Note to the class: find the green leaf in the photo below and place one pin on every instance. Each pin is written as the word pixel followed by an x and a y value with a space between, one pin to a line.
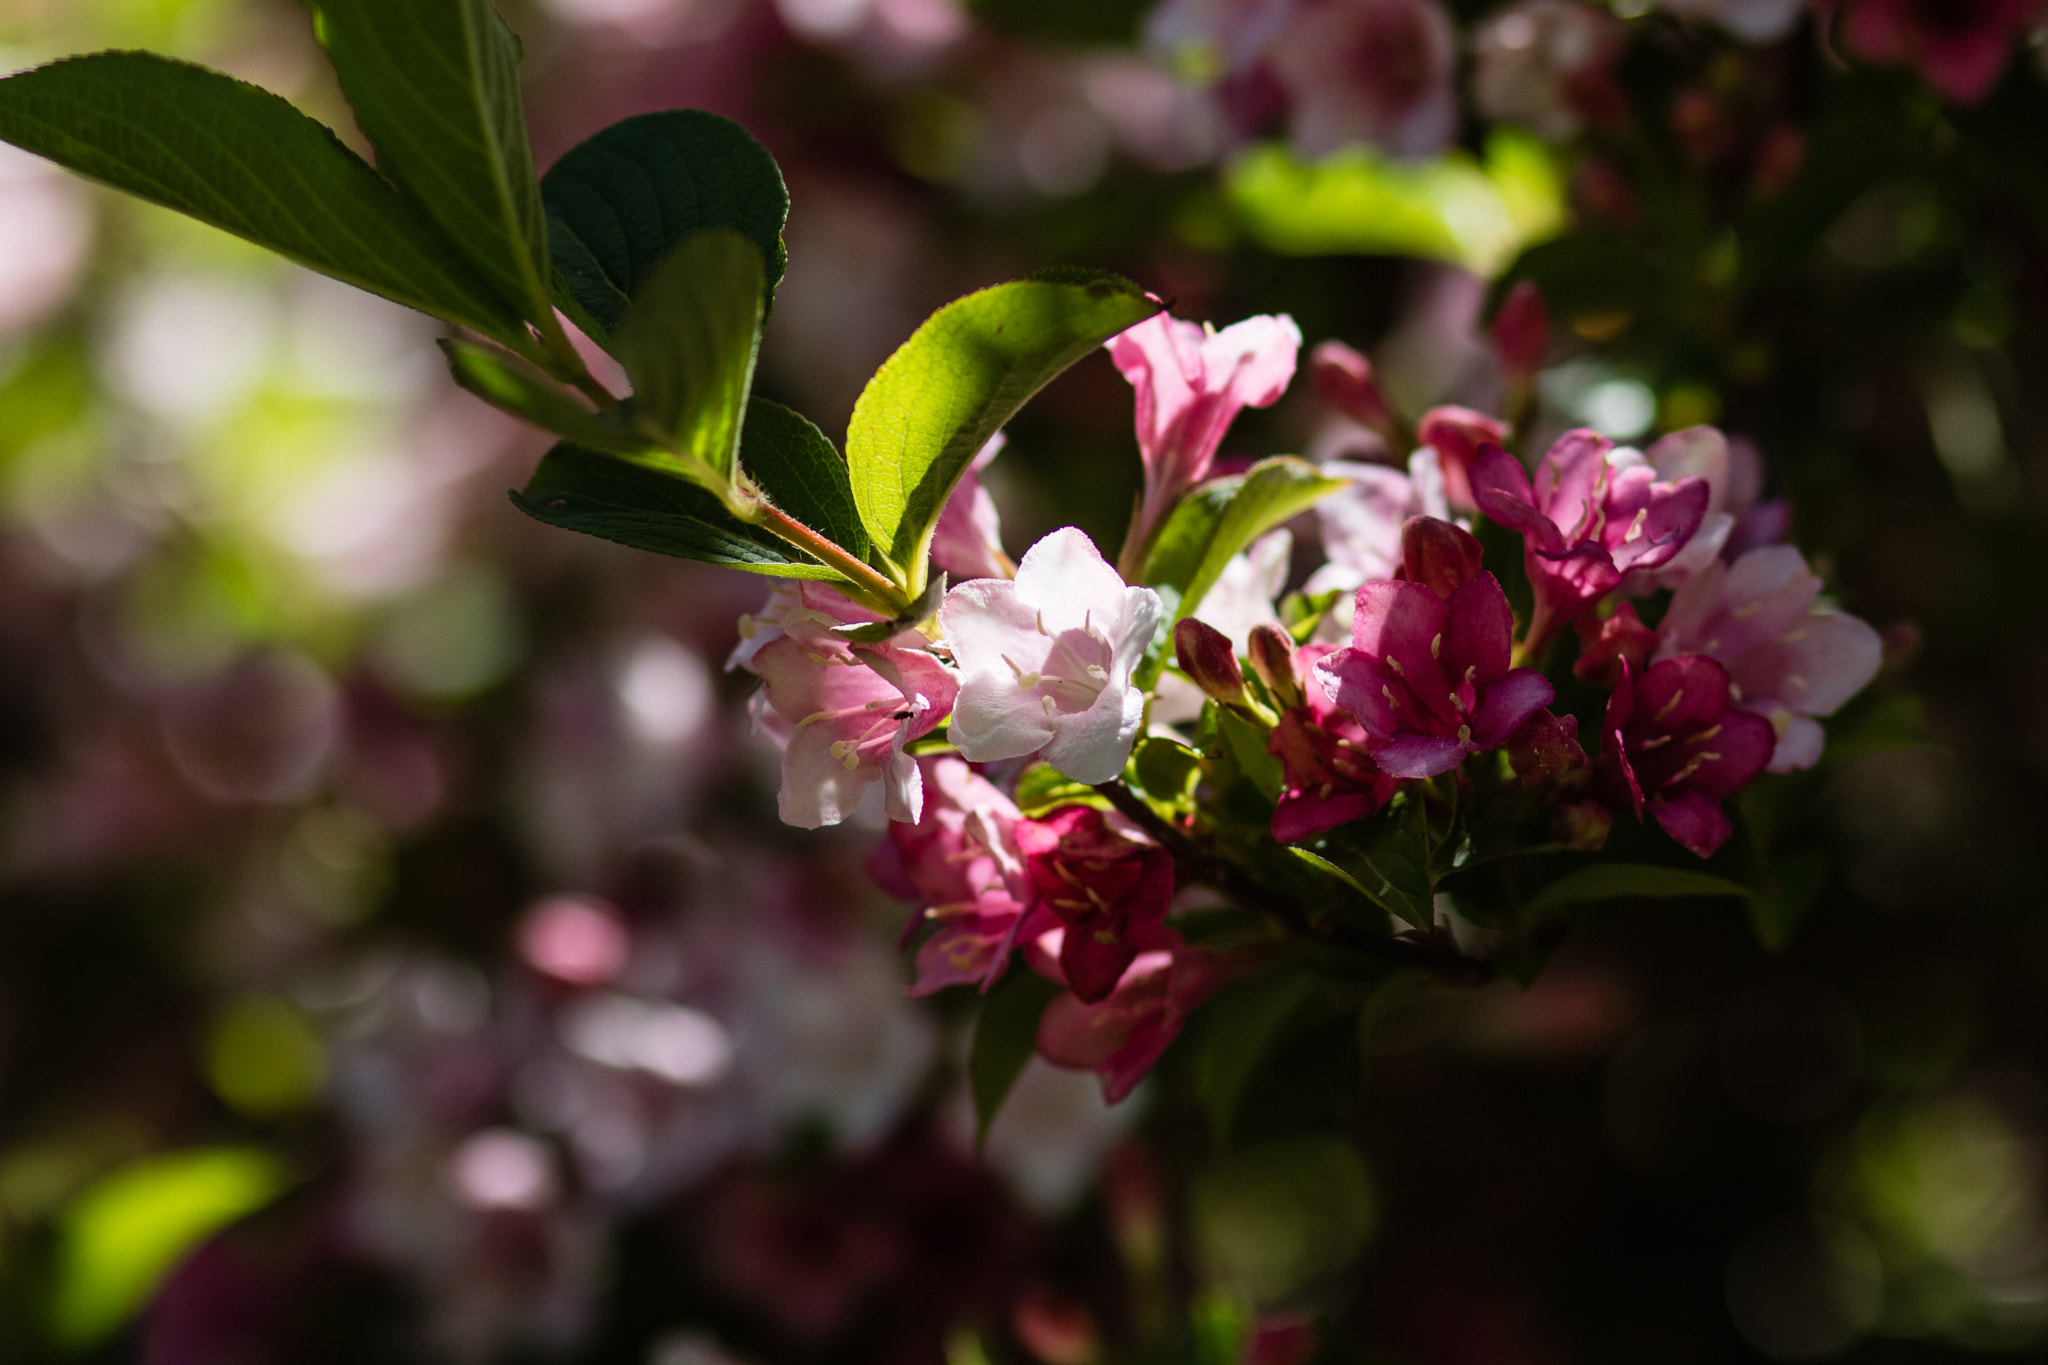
pixel 653 509
pixel 797 466
pixel 1390 855
pixel 435 87
pixel 125 1233
pixel 1327 868
pixel 1177 550
pixel 1044 788
pixel 1166 770
pixel 1796 882
pixel 1240 1027
pixel 1273 491
pixel 1611 881
pixel 964 373
pixel 689 343
pixel 1248 747
pixel 242 160
pixel 1005 1036
pixel 511 385
pixel 620 201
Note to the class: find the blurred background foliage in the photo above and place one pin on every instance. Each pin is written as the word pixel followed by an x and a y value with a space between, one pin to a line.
pixel 399 958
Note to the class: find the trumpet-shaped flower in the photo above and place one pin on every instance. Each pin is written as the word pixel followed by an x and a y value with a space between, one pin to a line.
pixel 851 709
pixel 1046 660
pixel 1735 519
pixel 1109 890
pixel 1789 657
pixel 1427 672
pixel 1191 381
pixel 1373 71
pixel 1674 744
pixel 1326 756
pixel 1589 518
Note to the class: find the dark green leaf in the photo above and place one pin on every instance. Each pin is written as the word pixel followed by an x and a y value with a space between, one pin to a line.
pixel 435 87
pixel 1611 881
pixel 1005 1036
pixel 1390 857
pixel 689 343
pixel 964 373
pixel 620 201
pixel 1796 881
pixel 1248 747
pixel 796 465
pixel 1240 1027
pixel 1273 491
pixel 243 160
pixel 651 509
pixel 510 384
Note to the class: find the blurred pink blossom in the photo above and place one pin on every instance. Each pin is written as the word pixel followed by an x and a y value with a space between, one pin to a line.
pixel 1544 64
pixel 1960 46
pixel 968 541
pixel 1372 71
pixel 1120 1036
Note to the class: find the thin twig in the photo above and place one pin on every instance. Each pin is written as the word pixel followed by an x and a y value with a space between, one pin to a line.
pixel 1208 866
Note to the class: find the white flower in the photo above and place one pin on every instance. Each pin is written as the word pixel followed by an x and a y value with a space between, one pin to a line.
pixel 1046 660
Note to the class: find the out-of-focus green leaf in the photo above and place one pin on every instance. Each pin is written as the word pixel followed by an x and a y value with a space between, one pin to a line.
pixel 959 378
pixel 435 87
pixel 1268 1220
pixel 620 201
pixel 796 465
pixel 263 1058
pixel 1240 1027
pixel 125 1233
pixel 1273 490
pixel 689 343
pixel 1005 1036
pixel 1796 880
pixel 1480 215
pixel 1613 881
pixel 651 509
pixel 242 160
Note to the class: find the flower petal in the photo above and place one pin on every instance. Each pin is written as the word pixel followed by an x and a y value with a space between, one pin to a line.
pixel 1509 702
pixel 1413 755
pixel 1694 819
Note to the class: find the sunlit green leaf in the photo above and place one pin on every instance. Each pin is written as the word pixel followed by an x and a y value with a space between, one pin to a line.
pixel 125 1233
pixel 1044 788
pixel 1273 491
pixel 243 160
pixel 1177 549
pixel 263 1058
pixel 964 373
pixel 1451 208
pixel 689 343
pixel 619 202
pixel 1005 1036
pixel 435 87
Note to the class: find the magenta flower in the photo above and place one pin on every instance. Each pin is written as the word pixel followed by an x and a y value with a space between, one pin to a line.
pixel 1427 672
pixel 1047 660
pixel 1191 383
pixel 1371 71
pixel 1789 658
pixel 1673 742
pixel 853 708
pixel 1588 519
pixel 960 862
pixel 1736 519
pixel 1331 778
pixel 1457 435
pixel 1960 46
pixel 1121 1035
pixel 1110 892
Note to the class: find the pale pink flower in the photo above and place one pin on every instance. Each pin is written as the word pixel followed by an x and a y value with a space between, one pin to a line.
pixel 1735 520
pixel 1226 37
pixel 1191 381
pixel 1247 588
pixel 1789 657
pixel 1361 525
pixel 1046 660
pixel 1372 71
pixel 968 541
pixel 852 708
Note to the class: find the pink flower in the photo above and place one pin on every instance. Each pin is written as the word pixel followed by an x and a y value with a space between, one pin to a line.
pixel 1671 741
pixel 760 629
pixel 1735 520
pixel 1327 757
pixel 1427 674
pixel 968 541
pixel 960 860
pixel 1457 435
pixel 1110 892
pixel 853 708
pixel 1227 36
pixel 1960 46
pixel 1047 659
pixel 1789 658
pixel 1120 1036
pixel 1372 71
pixel 1606 646
pixel 1191 383
pixel 1361 525
pixel 1543 64
pixel 1589 518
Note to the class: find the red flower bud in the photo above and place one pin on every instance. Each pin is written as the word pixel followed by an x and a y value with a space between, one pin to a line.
pixel 1521 333
pixel 1604 646
pixel 1343 379
pixel 1272 651
pixel 1206 657
pixel 1545 747
pixel 1439 555
pixel 1456 435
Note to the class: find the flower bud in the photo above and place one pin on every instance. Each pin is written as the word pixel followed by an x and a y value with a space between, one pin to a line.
pixel 1206 657
pixel 1606 645
pixel 1545 747
pixel 1582 825
pixel 1521 333
pixel 1272 651
pixel 1456 435
pixel 1439 556
pixel 1343 379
